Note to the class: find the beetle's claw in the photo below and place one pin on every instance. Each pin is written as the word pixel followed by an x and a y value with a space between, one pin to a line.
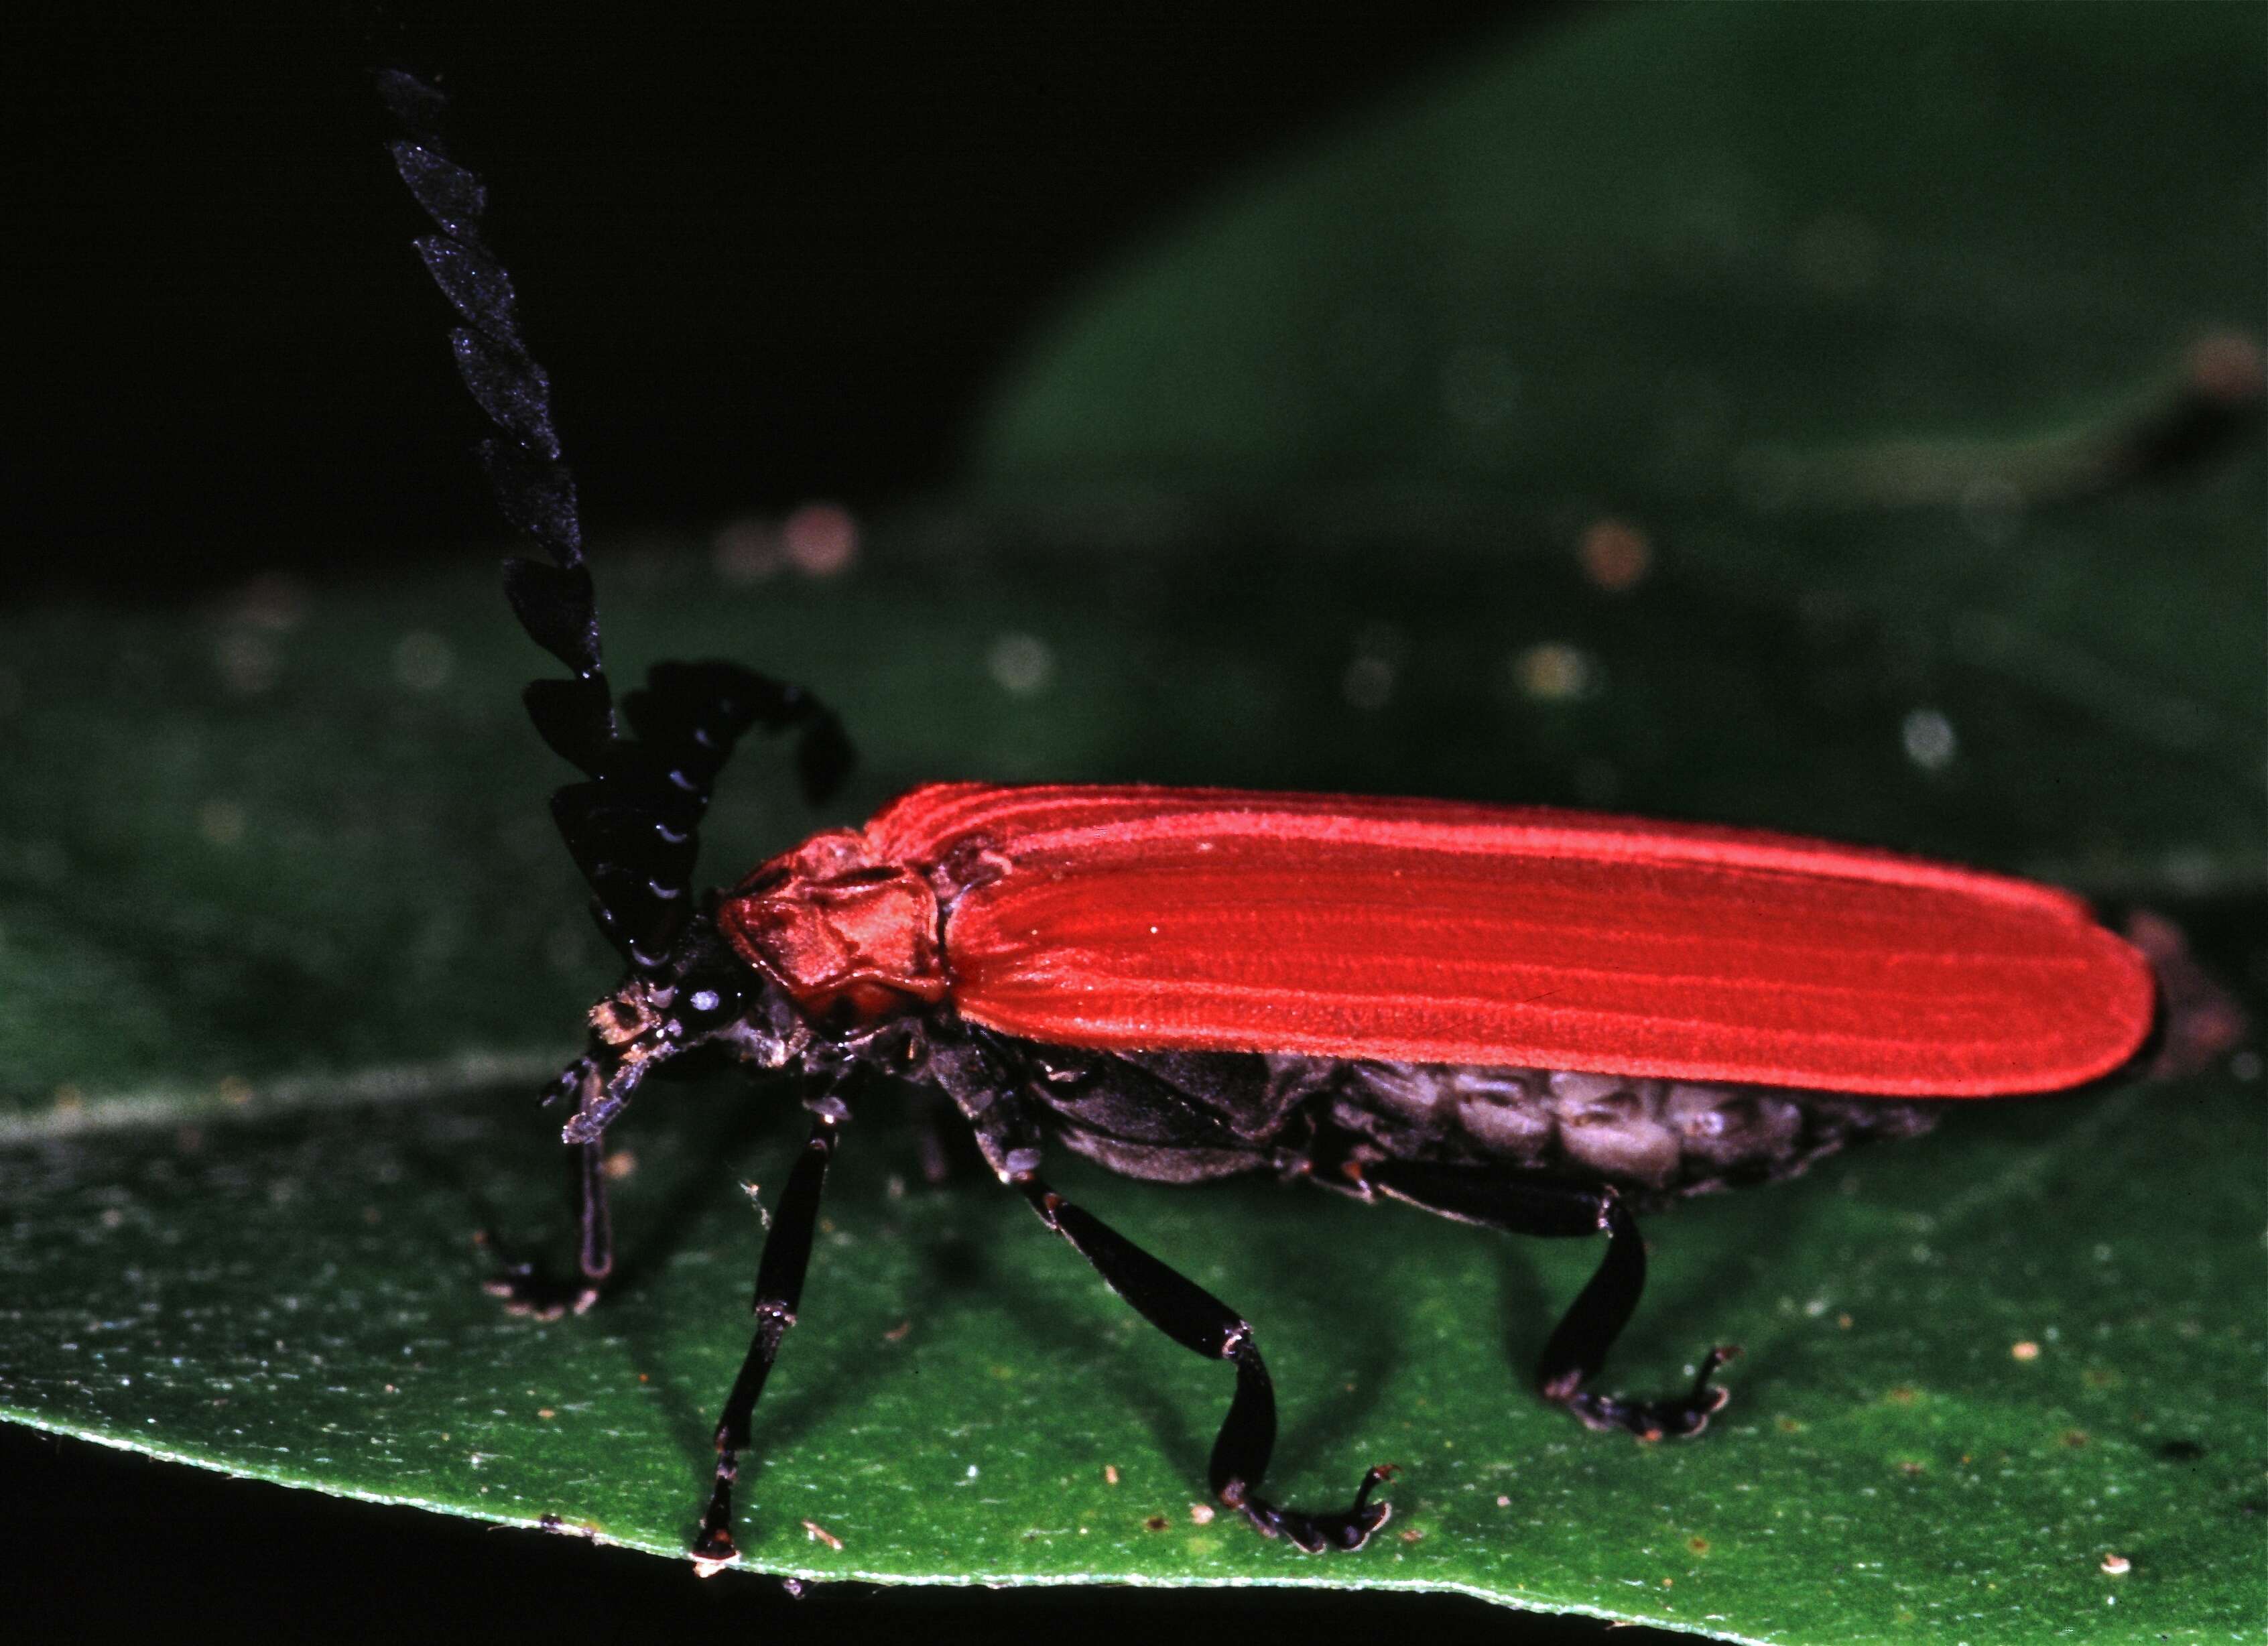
pixel 1654 1420
pixel 1312 1534
pixel 712 1552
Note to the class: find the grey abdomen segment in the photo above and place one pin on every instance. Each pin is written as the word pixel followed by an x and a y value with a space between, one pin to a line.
pixel 1185 1117
pixel 1653 1138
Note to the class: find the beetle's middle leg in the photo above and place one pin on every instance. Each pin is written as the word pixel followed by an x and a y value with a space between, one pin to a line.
pixel 1203 1324
pixel 1579 1344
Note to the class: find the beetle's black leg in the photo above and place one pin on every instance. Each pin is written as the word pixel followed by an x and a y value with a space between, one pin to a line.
pixel 526 1291
pixel 1579 1344
pixel 779 1288
pixel 595 1246
pixel 523 1288
pixel 1201 1322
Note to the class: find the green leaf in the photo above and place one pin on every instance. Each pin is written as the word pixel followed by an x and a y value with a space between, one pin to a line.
pixel 296 1299
pixel 285 942
pixel 258 1254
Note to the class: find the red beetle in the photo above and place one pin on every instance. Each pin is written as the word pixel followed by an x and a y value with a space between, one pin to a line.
pixel 1531 1019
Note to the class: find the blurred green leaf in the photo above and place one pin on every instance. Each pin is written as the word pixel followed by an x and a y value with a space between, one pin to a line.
pixel 285 940
pixel 1619 259
pixel 1863 307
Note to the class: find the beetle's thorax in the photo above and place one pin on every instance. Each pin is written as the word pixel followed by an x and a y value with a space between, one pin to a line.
pixel 844 934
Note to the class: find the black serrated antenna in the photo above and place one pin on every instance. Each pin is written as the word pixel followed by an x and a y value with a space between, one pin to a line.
pixel 633 828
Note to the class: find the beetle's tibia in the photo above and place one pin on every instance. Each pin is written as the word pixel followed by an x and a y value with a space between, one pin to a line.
pixel 1204 1325
pixel 1540 1205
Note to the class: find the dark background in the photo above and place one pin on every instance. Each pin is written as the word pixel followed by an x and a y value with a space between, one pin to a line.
pixel 764 262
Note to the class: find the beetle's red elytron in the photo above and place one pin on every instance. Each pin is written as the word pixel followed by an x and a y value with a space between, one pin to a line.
pixel 1422 931
pixel 1530 1019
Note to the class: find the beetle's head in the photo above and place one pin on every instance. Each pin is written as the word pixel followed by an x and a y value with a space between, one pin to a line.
pixel 702 1003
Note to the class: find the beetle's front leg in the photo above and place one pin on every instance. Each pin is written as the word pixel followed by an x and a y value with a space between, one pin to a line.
pixel 1202 1323
pixel 523 1288
pixel 1579 1344
pixel 779 1289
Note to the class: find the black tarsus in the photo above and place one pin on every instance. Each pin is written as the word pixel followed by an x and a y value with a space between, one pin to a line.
pixel 779 1290
pixel 633 827
pixel 1577 1349
pixel 1204 1325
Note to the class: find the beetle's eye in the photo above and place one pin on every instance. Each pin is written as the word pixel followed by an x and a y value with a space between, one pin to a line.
pixel 703 1005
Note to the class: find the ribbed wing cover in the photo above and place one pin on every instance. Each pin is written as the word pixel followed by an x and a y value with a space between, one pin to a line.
pixel 1425 931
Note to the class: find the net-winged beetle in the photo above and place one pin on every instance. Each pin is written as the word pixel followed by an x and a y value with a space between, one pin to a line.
pixel 1536 1020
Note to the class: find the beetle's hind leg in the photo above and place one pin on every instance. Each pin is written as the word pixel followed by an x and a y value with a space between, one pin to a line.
pixel 1203 1324
pixel 1579 1344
